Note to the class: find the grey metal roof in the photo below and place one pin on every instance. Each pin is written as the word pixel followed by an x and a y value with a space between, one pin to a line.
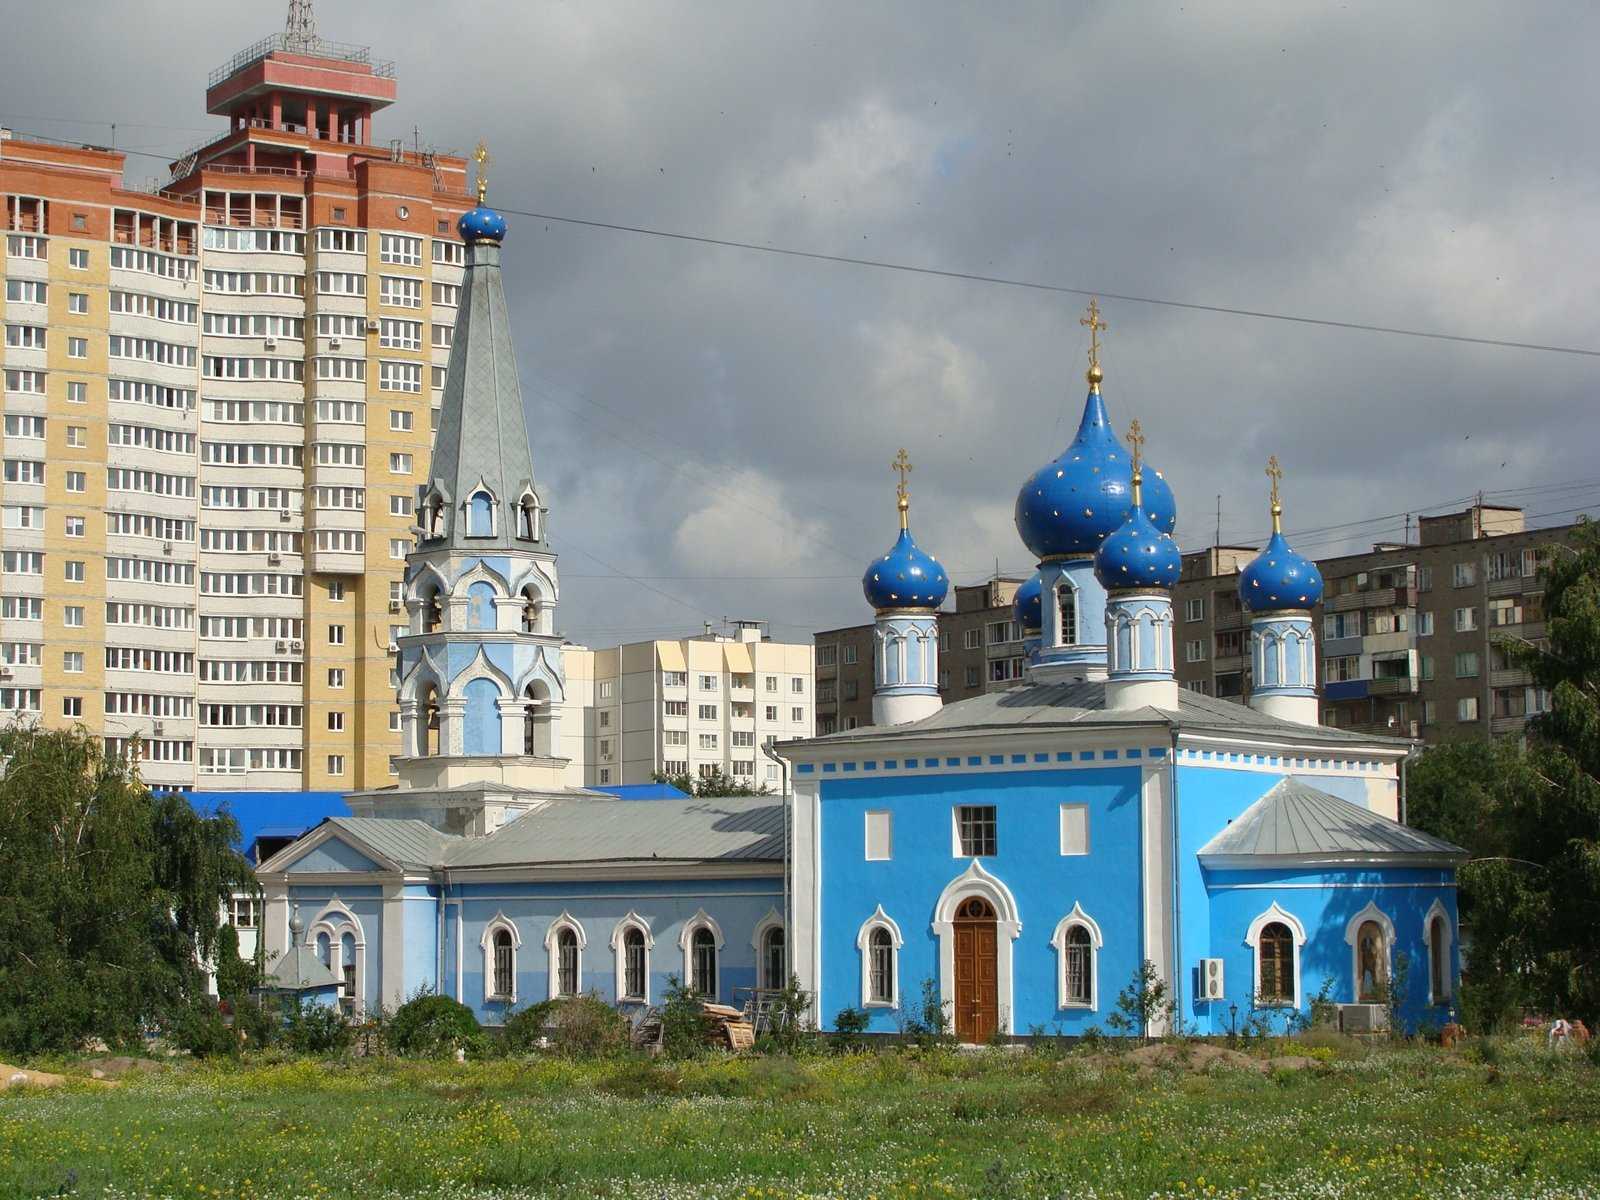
pixel 723 829
pixel 483 431
pixel 1083 705
pixel 1296 819
pixel 300 970
pixel 412 844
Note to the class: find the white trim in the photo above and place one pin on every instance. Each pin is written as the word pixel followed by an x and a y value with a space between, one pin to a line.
pixel 1252 938
pixel 866 835
pixel 1437 910
pixel 618 951
pixel 496 923
pixel 700 920
pixel 1313 887
pixel 552 952
pixel 1061 830
pixel 336 907
pixel 880 920
pixel 975 881
pixel 772 920
pixel 1370 913
pixel 1078 919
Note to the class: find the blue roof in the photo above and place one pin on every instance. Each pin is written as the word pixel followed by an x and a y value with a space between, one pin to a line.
pixel 643 791
pixel 1138 555
pixel 271 814
pixel 906 577
pixel 1279 579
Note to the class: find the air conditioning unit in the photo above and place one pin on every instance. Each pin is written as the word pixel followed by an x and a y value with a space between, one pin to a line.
pixel 274 559
pixel 394 606
pixel 281 647
pixel 333 343
pixel 5 672
pixel 166 547
pixel 1362 1018
pixel 1211 987
pixel 296 647
pixel 271 343
pixel 284 514
pixel 1361 580
pixel 372 325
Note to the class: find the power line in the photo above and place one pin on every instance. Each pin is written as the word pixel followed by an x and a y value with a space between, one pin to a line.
pixel 1065 289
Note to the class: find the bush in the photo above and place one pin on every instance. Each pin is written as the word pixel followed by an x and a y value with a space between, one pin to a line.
pixel 201 1030
pixel 256 1023
pixel 316 1029
pixel 849 1024
pixel 791 1018
pixel 429 1026
pixel 585 1027
pixel 524 1029
pixel 683 1022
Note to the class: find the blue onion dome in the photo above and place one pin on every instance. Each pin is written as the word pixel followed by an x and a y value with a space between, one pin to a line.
pixel 906 577
pixel 1138 555
pixel 1074 502
pixel 1027 606
pixel 1278 578
pixel 482 224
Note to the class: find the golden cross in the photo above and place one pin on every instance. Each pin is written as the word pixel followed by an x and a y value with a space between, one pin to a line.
pixel 1136 440
pixel 1275 473
pixel 1096 325
pixel 902 464
pixel 481 157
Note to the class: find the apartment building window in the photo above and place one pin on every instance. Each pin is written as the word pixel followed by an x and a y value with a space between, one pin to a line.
pixel 1342 669
pixel 1504 612
pixel 1002 669
pixel 74 570
pixel 399 376
pixel 944 642
pixel 850 656
pixel 851 723
pixel 674 766
pixel 1000 632
pixel 676 708
pixel 78 258
pixel 1464 574
pixel 944 678
pixel 971 677
pixel 399 506
pixel 827 656
pixel 771 712
pixel 336 677
pixel 707 683
pixel 1467 664
pixel 971 639
pixel 78 303
pixel 740 739
pixel 1466 619
pixel 336 635
pixel 771 683
pixel 399 249
pixel 77 435
pixel 797 715
pixel 976 834
pixel 1425 666
pixel 1467 708
pixel 77 392
pixel 77 347
pixel 674 737
pixel 672 679
pixel 399 292
pixel 399 421
pixel 706 712
pixel 72 616
pixel 396 333
pixel 744 768
pixel 1430 712
pixel 1395 621
pixel 72 706
pixel 605 718
pixel 335 764
pixel 851 689
pixel 1194 609
pixel 75 527
pixel 336 722
pixel 708 741
pixel 605 747
pixel 605 688
pixel 1424 624
pixel 797 685
pixel 72 662
pixel 1341 625
pixel 1194 650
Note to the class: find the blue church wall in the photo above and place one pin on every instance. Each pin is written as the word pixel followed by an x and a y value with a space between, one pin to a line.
pixel 480 606
pixel 1325 902
pixel 420 940
pixel 333 855
pixel 481 730
pixel 1045 883
pixel 366 902
pixel 736 905
pixel 461 655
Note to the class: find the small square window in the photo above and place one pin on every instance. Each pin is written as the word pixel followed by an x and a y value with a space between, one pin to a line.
pixel 74 570
pixel 72 706
pixel 78 257
pixel 72 616
pixel 75 527
pixel 338 213
pixel 77 302
pixel 336 722
pixel 80 221
pixel 76 482
pixel 335 764
pixel 336 677
pixel 77 347
pixel 336 635
pixel 336 589
pixel 77 392
pixel 72 662
pixel 976 834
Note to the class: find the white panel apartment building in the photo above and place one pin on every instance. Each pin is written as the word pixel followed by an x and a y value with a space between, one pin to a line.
pixel 686 707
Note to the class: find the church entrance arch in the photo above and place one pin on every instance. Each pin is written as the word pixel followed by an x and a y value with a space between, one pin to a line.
pixel 977 1015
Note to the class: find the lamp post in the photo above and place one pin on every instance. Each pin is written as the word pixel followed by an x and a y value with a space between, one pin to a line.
pixel 1233 1023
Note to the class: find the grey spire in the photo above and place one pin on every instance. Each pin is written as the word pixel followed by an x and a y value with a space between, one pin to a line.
pixel 480 493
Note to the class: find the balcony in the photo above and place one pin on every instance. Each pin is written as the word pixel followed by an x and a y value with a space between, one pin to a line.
pixel 1228 663
pixel 1510 677
pixel 1516 585
pixel 1499 725
pixel 1230 620
pixel 1400 597
pixel 1394 685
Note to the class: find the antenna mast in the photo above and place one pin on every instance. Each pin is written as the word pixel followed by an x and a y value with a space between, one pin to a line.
pixel 300 30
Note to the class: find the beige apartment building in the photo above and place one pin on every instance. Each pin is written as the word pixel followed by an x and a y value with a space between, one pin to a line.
pixel 1406 633
pixel 691 706
pixel 980 649
pixel 218 402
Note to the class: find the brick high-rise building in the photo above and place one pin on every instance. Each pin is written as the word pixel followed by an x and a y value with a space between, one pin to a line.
pixel 218 401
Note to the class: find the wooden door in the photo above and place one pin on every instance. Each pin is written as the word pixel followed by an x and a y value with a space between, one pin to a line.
pixel 977 1014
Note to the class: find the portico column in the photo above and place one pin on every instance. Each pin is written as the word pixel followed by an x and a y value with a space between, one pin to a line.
pixel 452 722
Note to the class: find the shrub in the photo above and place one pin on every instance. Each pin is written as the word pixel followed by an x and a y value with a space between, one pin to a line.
pixel 849 1024
pixel 256 1022
pixel 200 1029
pixel 930 1024
pixel 316 1029
pixel 1138 1004
pixel 683 1022
pixel 637 1078
pixel 429 1026
pixel 585 1027
pixel 791 1017
pixel 524 1029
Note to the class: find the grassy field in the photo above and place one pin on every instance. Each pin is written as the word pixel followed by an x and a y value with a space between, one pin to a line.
pixel 1412 1122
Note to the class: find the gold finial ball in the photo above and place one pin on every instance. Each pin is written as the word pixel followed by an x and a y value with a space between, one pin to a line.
pixel 1094 374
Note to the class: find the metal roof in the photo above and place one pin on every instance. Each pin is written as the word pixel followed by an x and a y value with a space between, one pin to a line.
pixel 300 970
pixel 1083 706
pixel 410 843
pixel 1295 819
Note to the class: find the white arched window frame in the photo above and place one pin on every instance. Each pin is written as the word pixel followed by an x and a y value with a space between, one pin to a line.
pixel 1352 933
pixel 619 949
pixel 528 516
pixel 1437 912
pixel 1066 613
pixel 334 922
pixel 1161 623
pixel 497 924
pixel 975 881
pixel 701 920
pixel 1077 919
pixel 552 949
pixel 1252 938
pixel 758 943
pixel 480 502
pixel 879 920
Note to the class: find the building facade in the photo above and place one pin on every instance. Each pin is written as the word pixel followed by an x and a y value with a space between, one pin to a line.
pixel 693 706
pixel 218 403
pixel 1408 632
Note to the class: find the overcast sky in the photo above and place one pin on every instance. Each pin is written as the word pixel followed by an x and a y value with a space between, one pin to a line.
pixel 718 423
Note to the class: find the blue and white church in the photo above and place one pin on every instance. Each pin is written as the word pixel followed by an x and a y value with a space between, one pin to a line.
pixel 1025 852
pixel 484 875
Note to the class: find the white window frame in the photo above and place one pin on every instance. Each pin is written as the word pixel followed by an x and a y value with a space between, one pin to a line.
pixel 700 920
pixel 1078 919
pixel 866 835
pixel 1252 938
pixel 1084 808
pixel 880 920
pixel 619 953
pixel 1370 913
pixel 553 953
pixel 758 937
pixel 325 922
pixel 1437 911
pixel 496 923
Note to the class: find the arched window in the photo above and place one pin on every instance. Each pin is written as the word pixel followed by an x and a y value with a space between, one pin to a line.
pixel 1067 612
pixel 481 734
pixel 432 611
pixel 325 950
pixel 530 610
pixel 567 963
pixel 1438 960
pixel 1079 966
pixel 347 971
pixel 774 972
pixel 633 964
pixel 428 722
pixel 505 964
pixel 1372 963
pixel 1077 941
pixel 703 968
pixel 528 517
pixel 1275 965
pixel 480 606
pixel 480 514
pixel 880 966
pixel 537 715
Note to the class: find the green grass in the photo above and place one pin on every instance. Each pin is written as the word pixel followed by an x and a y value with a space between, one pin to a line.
pixel 1415 1122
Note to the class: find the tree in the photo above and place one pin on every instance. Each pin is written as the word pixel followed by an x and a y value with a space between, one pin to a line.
pixel 714 784
pixel 1529 811
pixel 111 898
